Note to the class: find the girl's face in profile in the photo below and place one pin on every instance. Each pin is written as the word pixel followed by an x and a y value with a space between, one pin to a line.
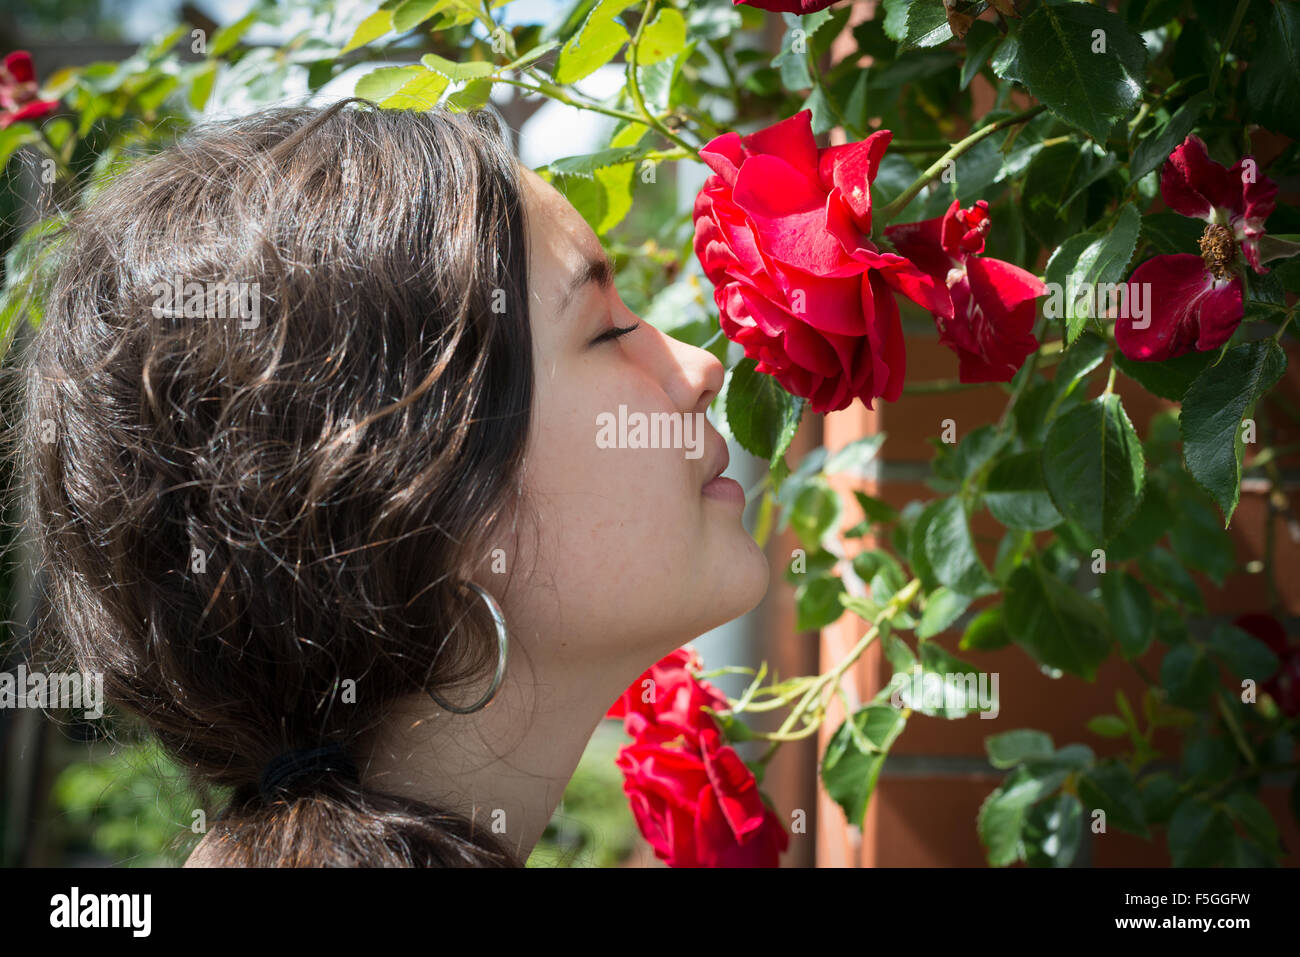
pixel 638 552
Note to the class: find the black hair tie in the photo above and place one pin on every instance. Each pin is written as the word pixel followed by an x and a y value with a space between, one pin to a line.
pixel 282 770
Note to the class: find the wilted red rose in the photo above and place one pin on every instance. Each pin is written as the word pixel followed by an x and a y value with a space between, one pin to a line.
pixel 1284 685
pixel 782 229
pixel 694 799
pixel 1196 300
pixel 18 91
pixel 991 328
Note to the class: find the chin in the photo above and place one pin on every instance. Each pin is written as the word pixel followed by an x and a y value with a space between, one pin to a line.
pixel 747 578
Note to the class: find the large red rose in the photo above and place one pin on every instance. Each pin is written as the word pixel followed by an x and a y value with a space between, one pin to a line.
pixel 694 799
pixel 991 329
pixel 782 230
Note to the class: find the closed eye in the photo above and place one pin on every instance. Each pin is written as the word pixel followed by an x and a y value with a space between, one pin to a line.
pixel 615 333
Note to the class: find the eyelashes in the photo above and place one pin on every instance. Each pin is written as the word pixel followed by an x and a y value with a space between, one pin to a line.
pixel 615 333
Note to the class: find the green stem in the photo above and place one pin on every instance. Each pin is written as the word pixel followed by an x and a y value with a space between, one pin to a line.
pixel 634 85
pixel 1277 336
pixel 1227 43
pixel 897 603
pixel 555 93
pixel 882 216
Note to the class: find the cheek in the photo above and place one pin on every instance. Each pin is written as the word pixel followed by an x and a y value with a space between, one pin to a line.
pixel 621 519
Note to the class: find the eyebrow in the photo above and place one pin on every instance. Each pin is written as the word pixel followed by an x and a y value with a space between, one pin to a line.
pixel 599 270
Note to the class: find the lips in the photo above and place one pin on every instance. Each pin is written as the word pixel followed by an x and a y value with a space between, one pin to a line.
pixel 719 461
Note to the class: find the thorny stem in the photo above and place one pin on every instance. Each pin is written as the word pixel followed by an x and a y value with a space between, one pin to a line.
pixel 882 216
pixel 832 678
pixel 634 85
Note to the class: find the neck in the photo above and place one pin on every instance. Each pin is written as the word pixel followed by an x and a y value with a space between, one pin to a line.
pixel 504 767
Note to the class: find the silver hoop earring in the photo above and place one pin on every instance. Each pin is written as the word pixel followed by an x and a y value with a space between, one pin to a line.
pixel 503 648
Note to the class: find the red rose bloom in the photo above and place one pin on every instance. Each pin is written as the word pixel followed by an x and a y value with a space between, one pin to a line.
pixel 1196 301
pixel 782 230
pixel 18 91
pixel 991 328
pixel 693 798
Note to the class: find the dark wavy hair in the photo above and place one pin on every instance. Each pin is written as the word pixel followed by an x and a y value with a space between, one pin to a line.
pixel 233 519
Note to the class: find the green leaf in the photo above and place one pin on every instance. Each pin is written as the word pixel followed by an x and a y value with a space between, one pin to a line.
pixel 1086 277
pixel 1171 233
pixel 1086 78
pixel 1053 831
pixel 1010 748
pixel 875 509
pixel 225 39
pixel 370 29
pixel 1214 408
pixel 201 82
pixel 1016 493
pixel 1053 205
pixel 1199 540
pixel 662 38
pixel 759 411
pixel 1168 379
pixel 1244 654
pixel 1160 796
pixel 855 458
pixel 926 23
pixel 1094 466
pixel 421 92
pixel 849 771
pixel 1161 569
pixel 456 72
pixel 1273 77
pixel 1188 675
pixel 588 163
pixel 1251 813
pixel 950 550
pixel 980 41
pixel 1111 788
pixel 817 603
pixel 536 53
pixel 816 512
pixel 1003 814
pixel 986 632
pixel 379 85
pixel 1108 726
pixel 411 13
pixel 943 606
pixel 597 42
pixel 471 96
pixel 1054 623
pixel 1155 148
pixel 1200 835
pixel 1130 611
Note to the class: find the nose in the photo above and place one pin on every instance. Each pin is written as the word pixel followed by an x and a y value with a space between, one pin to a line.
pixel 692 376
